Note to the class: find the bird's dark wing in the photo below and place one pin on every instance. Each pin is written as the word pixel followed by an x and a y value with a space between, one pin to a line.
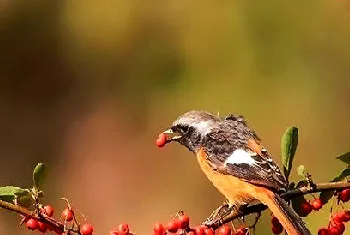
pixel 235 149
pixel 251 167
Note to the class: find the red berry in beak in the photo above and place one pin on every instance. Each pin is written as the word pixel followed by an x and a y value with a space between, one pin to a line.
pixel 161 141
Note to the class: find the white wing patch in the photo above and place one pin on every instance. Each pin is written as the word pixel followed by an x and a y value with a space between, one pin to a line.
pixel 240 156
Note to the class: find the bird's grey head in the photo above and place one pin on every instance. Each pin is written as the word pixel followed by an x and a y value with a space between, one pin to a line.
pixel 190 128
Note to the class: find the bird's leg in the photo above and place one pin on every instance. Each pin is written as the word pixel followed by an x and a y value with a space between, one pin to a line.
pixel 225 210
pixel 217 214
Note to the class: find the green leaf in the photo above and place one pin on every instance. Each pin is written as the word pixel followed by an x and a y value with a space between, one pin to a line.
pixel 345 158
pixel 25 201
pixel 342 175
pixel 39 174
pixel 9 193
pixel 289 145
pixel 327 195
pixel 302 171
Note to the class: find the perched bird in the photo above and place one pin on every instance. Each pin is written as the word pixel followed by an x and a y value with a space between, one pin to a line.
pixel 233 159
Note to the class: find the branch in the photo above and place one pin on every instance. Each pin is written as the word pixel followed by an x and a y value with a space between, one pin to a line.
pixel 56 225
pixel 315 188
pixel 59 226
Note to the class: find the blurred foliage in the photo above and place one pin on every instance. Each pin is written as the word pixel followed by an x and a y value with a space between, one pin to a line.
pixel 86 86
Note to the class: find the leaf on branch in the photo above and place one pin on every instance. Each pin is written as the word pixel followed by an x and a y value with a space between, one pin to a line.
pixel 10 193
pixel 342 175
pixel 302 171
pixel 39 174
pixel 345 158
pixel 327 195
pixel 25 201
pixel 289 145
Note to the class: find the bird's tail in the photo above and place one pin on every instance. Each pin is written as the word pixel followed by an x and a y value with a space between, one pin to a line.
pixel 290 221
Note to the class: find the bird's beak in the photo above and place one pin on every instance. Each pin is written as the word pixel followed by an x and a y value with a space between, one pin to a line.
pixel 171 135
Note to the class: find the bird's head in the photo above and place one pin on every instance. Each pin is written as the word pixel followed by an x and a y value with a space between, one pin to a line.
pixel 191 128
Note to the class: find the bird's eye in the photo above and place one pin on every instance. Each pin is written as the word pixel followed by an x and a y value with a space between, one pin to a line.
pixel 184 128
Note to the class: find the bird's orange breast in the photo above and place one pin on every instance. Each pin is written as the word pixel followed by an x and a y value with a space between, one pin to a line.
pixel 236 191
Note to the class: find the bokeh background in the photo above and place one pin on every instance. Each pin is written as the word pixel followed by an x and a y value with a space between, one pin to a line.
pixel 86 87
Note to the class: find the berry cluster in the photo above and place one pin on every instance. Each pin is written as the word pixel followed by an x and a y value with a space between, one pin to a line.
pixel 123 229
pixel 66 216
pixel 336 224
pixel 314 205
pixel 181 225
pixel 34 224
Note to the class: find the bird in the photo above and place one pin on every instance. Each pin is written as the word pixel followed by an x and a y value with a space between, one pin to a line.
pixel 233 158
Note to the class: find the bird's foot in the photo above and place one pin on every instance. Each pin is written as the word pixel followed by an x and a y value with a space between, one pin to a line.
pixel 217 216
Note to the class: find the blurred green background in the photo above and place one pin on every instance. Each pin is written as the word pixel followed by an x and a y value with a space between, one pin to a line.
pixel 86 86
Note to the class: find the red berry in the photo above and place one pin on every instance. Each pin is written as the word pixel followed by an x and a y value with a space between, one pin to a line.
pixel 275 221
pixel 317 204
pixel 277 229
pixel 338 217
pixel 334 231
pixel 184 221
pixel 48 209
pixel 344 195
pixel 346 216
pixel 32 224
pixel 306 208
pixel 340 227
pixel 209 231
pixel 114 232
pixel 200 230
pixel 342 216
pixel 68 214
pixel 159 229
pixel 123 229
pixel 42 227
pixel 86 229
pixel 172 226
pixel 224 230
pixel 322 231
pixel 161 140
pixel 191 233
